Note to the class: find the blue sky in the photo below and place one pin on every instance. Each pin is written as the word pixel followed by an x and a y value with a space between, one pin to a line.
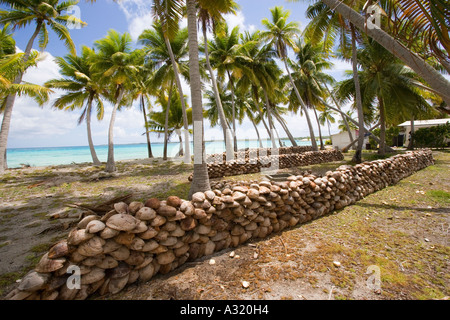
pixel 44 127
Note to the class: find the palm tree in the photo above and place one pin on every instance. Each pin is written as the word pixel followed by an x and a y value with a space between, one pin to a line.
pixel 158 57
pixel 157 120
pixel 387 84
pixel 82 89
pixel 310 79
pixel 327 116
pixel 211 111
pixel 422 26
pixel 209 18
pixel 11 64
pixel 19 15
pixel 346 126
pixel 224 52
pixel 200 179
pixel 168 13
pixel 326 25
pixel 142 89
pixel 435 79
pixel 115 63
pixel 260 73
pixel 281 35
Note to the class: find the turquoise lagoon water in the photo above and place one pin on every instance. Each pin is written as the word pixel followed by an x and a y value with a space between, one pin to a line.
pixel 37 157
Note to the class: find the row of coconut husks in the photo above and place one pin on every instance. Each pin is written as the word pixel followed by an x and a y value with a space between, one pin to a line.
pixel 258 161
pixel 135 241
pixel 257 152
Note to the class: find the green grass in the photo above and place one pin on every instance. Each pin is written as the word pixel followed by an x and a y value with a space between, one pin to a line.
pixel 440 196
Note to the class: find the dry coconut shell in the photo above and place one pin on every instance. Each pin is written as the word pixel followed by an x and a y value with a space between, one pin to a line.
pixel 150 233
pixel 141 227
pixel 122 222
pixel 84 222
pixel 92 247
pixel 167 211
pixel 135 258
pixel 121 254
pixel 95 226
pixel 46 264
pixel 178 216
pixel 153 203
pixel 108 215
pixel 125 238
pixel 133 276
pixel 120 271
pixel 135 206
pixel 174 201
pixel 95 275
pixel 58 250
pixel 33 281
pixel 146 213
pixel 116 285
pixel 158 221
pixel 165 257
pixel 146 272
pixel 109 233
pixel 76 237
pixel 110 246
pixel 121 207
pixel 137 244
pixel 108 263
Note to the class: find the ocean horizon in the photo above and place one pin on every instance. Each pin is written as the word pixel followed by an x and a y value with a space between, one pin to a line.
pixel 51 156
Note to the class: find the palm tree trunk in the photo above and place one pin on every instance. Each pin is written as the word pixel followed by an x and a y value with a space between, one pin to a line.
pixel 357 158
pixel 110 164
pixel 166 122
pixel 382 149
pixel 95 160
pixel 147 133
pixel 373 137
pixel 265 126
pixel 320 130
pixel 305 109
pixel 261 115
pixel 411 137
pixel 200 178
pixel 222 118
pixel 421 67
pixel 187 154
pixel 257 132
pixel 9 105
pixel 233 106
pixel 269 117
pixel 286 129
pixel 343 118
pixel 280 142
pixel 329 131
pixel 344 115
pixel 180 151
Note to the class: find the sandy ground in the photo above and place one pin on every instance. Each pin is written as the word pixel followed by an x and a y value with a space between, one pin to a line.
pixel 399 235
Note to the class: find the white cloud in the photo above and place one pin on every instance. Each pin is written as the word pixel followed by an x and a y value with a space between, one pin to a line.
pixel 29 122
pixel 238 19
pixel 339 68
pixel 138 15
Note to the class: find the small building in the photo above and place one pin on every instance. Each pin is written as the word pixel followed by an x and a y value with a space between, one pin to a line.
pixel 341 140
pixel 420 124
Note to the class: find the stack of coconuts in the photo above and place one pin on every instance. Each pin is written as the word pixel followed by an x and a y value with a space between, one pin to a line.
pixel 135 241
pixel 256 161
pixel 251 153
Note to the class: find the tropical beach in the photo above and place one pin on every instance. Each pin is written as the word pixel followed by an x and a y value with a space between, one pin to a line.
pixel 215 152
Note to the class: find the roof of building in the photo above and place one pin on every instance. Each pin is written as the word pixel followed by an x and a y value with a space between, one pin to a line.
pixel 425 122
